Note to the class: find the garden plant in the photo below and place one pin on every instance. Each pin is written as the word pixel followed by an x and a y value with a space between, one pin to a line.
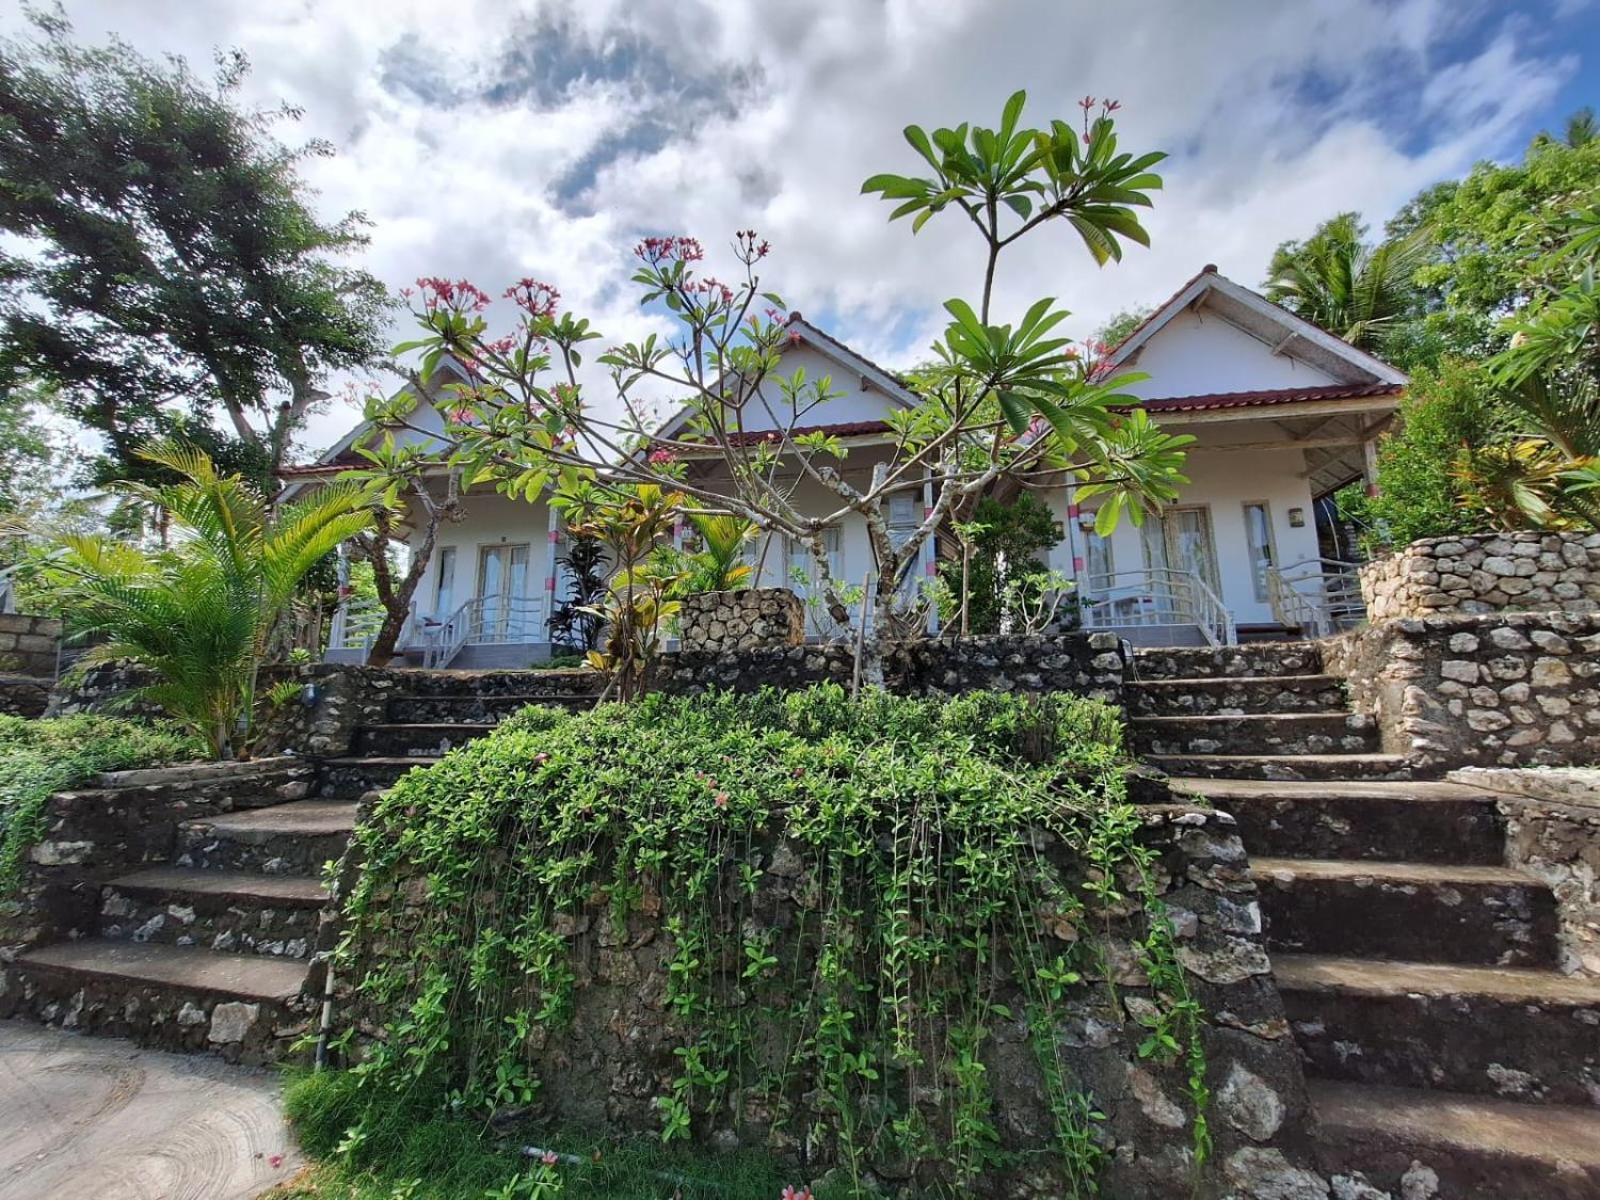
pixel 1000 398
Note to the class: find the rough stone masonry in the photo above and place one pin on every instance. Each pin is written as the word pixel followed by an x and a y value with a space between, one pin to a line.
pixel 1509 572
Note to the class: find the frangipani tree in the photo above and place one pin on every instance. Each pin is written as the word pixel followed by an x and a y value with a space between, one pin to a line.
pixel 1000 399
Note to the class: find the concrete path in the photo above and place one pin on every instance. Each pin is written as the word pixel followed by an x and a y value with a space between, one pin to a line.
pixel 100 1119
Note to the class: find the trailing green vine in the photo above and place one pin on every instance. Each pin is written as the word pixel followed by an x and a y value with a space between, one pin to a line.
pixel 854 910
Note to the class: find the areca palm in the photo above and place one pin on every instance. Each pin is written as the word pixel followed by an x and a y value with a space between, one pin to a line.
pixel 198 615
pixel 1336 280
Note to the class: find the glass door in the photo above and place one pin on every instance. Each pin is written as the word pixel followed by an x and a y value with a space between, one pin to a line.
pixel 1179 540
pixel 503 583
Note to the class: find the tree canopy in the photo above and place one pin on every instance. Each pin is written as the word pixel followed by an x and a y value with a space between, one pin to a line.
pixel 171 268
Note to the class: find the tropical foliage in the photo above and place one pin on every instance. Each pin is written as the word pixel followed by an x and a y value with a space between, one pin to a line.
pixel 1361 292
pixel 933 916
pixel 164 269
pixel 1003 542
pixel 998 399
pixel 199 614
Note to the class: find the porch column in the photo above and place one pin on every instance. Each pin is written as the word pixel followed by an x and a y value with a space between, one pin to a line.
pixel 1369 466
pixel 552 540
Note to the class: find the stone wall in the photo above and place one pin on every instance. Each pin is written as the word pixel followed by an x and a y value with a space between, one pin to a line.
pixel 1462 689
pixel 93 835
pixel 1088 664
pixel 725 621
pixel 1508 572
pixel 29 645
pixel 23 695
pixel 1553 833
pixel 605 1065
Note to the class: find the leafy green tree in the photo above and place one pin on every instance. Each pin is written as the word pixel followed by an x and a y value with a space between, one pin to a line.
pixel 1121 325
pixel 718 566
pixel 181 271
pixel 1007 539
pixel 1447 412
pixel 199 616
pixel 1359 291
pixel 30 459
pixel 1494 234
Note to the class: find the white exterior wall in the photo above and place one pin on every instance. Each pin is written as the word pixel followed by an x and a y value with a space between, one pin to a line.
pixel 1195 354
pixel 1222 481
pixel 856 400
pixel 491 520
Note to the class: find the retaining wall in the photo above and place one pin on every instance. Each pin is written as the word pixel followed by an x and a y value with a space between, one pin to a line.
pixel 1508 572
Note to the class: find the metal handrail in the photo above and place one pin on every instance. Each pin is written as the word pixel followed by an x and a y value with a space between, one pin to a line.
pixel 1156 596
pixel 1318 596
pixel 483 620
pixel 355 625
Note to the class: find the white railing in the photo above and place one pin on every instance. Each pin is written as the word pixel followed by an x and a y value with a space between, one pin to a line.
pixel 355 625
pixel 1156 596
pixel 8 590
pixel 481 621
pixel 1318 596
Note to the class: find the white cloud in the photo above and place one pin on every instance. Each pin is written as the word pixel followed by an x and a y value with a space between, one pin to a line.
pixel 706 117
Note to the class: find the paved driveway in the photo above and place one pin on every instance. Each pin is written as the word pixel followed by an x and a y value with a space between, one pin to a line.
pixel 99 1119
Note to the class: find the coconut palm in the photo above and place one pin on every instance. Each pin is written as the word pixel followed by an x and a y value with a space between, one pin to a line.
pixel 199 614
pixel 1334 279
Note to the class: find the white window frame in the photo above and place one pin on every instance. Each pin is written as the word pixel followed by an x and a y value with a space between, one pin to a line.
pixel 1258 570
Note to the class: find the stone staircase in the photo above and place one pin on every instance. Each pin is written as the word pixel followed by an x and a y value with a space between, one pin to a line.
pixel 1446 1054
pixel 213 943
pixel 1264 710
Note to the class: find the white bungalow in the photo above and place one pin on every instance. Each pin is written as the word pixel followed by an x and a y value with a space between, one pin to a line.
pixel 1284 414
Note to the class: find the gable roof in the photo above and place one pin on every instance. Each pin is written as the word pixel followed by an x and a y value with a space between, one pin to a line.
pixel 1271 324
pixel 803 333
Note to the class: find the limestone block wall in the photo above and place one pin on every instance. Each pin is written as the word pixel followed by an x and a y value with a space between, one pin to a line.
pixel 1553 833
pixel 1087 664
pixel 606 1064
pixel 1509 572
pixel 130 820
pixel 725 621
pixel 1479 689
pixel 29 645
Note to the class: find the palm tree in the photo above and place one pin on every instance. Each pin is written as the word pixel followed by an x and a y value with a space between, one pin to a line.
pixel 720 565
pixel 1334 279
pixel 199 614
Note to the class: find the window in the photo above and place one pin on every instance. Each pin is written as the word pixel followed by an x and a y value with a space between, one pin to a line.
pixel 1099 564
pixel 1258 532
pixel 444 588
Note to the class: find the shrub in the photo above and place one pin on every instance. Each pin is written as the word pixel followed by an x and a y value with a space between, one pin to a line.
pixel 925 840
pixel 41 757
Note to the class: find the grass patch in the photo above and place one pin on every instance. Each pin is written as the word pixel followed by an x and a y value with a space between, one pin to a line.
pixel 416 1154
pixel 41 757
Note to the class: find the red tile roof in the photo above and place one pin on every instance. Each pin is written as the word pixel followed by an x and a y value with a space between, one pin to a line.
pixel 1216 400
pixel 840 429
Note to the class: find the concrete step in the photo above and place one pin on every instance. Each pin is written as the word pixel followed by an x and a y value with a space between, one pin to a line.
pixel 1256 733
pixel 1399 822
pixel 416 741
pixel 1342 767
pixel 1479 1149
pixel 246 1007
pixel 288 839
pixel 418 710
pixel 1532 1036
pixel 276 915
pixel 1207 662
pixel 357 775
pixel 1412 912
pixel 1236 694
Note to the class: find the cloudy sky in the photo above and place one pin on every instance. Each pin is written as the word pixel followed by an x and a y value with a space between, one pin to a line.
pixel 492 140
